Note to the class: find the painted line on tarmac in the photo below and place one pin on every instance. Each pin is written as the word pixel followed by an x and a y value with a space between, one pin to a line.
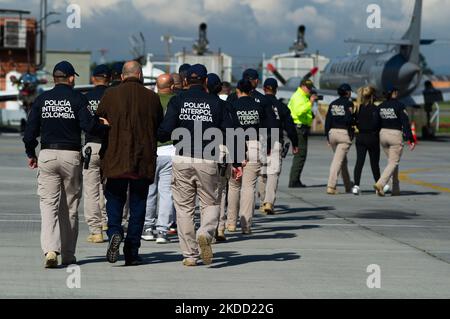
pixel 404 177
pixel 256 231
pixel 365 225
pixel 19 221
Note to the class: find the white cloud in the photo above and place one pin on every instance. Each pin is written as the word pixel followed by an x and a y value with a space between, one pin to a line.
pixel 322 27
pixel 322 17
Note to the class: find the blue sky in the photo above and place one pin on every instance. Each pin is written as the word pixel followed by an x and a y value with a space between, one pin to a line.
pixel 243 28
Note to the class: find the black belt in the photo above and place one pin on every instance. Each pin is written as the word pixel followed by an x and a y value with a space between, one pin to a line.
pixel 61 147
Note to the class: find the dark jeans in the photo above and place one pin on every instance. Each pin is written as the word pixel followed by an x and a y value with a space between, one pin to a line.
pixel 300 158
pixel 367 142
pixel 116 197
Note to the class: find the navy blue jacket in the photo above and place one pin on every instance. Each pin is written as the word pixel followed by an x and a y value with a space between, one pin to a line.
pixel 339 115
pixel 392 114
pixel 284 119
pixel 94 98
pixel 58 116
pixel 189 109
pixel 366 119
pixel 253 114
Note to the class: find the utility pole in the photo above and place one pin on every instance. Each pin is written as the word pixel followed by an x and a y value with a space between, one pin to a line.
pixel 43 36
pixel 168 39
pixel 103 55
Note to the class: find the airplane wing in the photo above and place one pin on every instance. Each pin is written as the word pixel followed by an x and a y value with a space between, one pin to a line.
pixel 415 99
pixel 392 42
pixel 380 41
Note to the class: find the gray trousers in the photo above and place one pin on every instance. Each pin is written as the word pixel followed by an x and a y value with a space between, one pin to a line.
pixel 189 181
pixel 59 189
pixel 162 217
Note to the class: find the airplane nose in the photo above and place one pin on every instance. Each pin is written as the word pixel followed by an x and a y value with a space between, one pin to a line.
pixel 407 72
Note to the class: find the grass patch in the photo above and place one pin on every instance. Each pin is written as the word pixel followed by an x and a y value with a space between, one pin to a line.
pixel 444 106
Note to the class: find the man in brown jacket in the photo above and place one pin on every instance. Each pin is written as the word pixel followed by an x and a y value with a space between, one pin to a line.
pixel 129 159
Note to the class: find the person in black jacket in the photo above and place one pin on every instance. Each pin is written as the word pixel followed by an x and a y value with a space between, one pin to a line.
pixel 94 201
pixel 253 116
pixel 367 138
pixel 214 87
pixel 271 169
pixel 58 116
pixel 195 170
pixel 393 120
pixel 338 129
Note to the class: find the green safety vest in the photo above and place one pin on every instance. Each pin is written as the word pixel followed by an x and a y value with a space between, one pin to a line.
pixel 301 108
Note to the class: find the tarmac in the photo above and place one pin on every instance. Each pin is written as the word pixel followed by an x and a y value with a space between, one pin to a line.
pixel 316 246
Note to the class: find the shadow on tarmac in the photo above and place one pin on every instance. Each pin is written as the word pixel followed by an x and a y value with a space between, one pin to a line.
pixel 274 218
pixel 413 193
pixel 232 258
pixel 402 193
pixel 224 259
pixel 385 214
pixel 269 233
pixel 148 259
pixel 283 209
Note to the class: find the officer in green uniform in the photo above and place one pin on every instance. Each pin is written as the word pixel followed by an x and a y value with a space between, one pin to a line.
pixel 300 106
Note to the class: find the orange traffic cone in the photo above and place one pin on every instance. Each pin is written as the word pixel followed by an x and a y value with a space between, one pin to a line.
pixel 413 130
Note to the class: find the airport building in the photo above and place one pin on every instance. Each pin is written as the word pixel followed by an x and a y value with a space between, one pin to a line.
pixel 296 63
pixel 219 63
pixel 17 47
pixel 291 65
pixel 81 61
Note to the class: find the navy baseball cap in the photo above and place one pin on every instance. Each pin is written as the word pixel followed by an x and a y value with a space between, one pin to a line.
pixel 65 68
pixel 102 70
pixel 214 83
pixel 213 80
pixel 271 82
pixel 390 88
pixel 250 74
pixel 197 71
pixel 117 67
pixel 344 88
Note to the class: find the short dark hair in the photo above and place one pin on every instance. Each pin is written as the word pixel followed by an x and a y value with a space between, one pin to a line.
pixel 245 86
pixel 57 78
pixel 226 84
pixel 195 81
pixel 183 70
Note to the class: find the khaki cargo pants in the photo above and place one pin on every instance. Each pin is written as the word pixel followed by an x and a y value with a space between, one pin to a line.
pixel 241 194
pixel 94 201
pixel 392 143
pixel 340 143
pixel 192 178
pixel 59 189
pixel 269 175
pixel 223 191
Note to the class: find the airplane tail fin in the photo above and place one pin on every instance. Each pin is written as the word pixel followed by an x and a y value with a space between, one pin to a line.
pixel 414 32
